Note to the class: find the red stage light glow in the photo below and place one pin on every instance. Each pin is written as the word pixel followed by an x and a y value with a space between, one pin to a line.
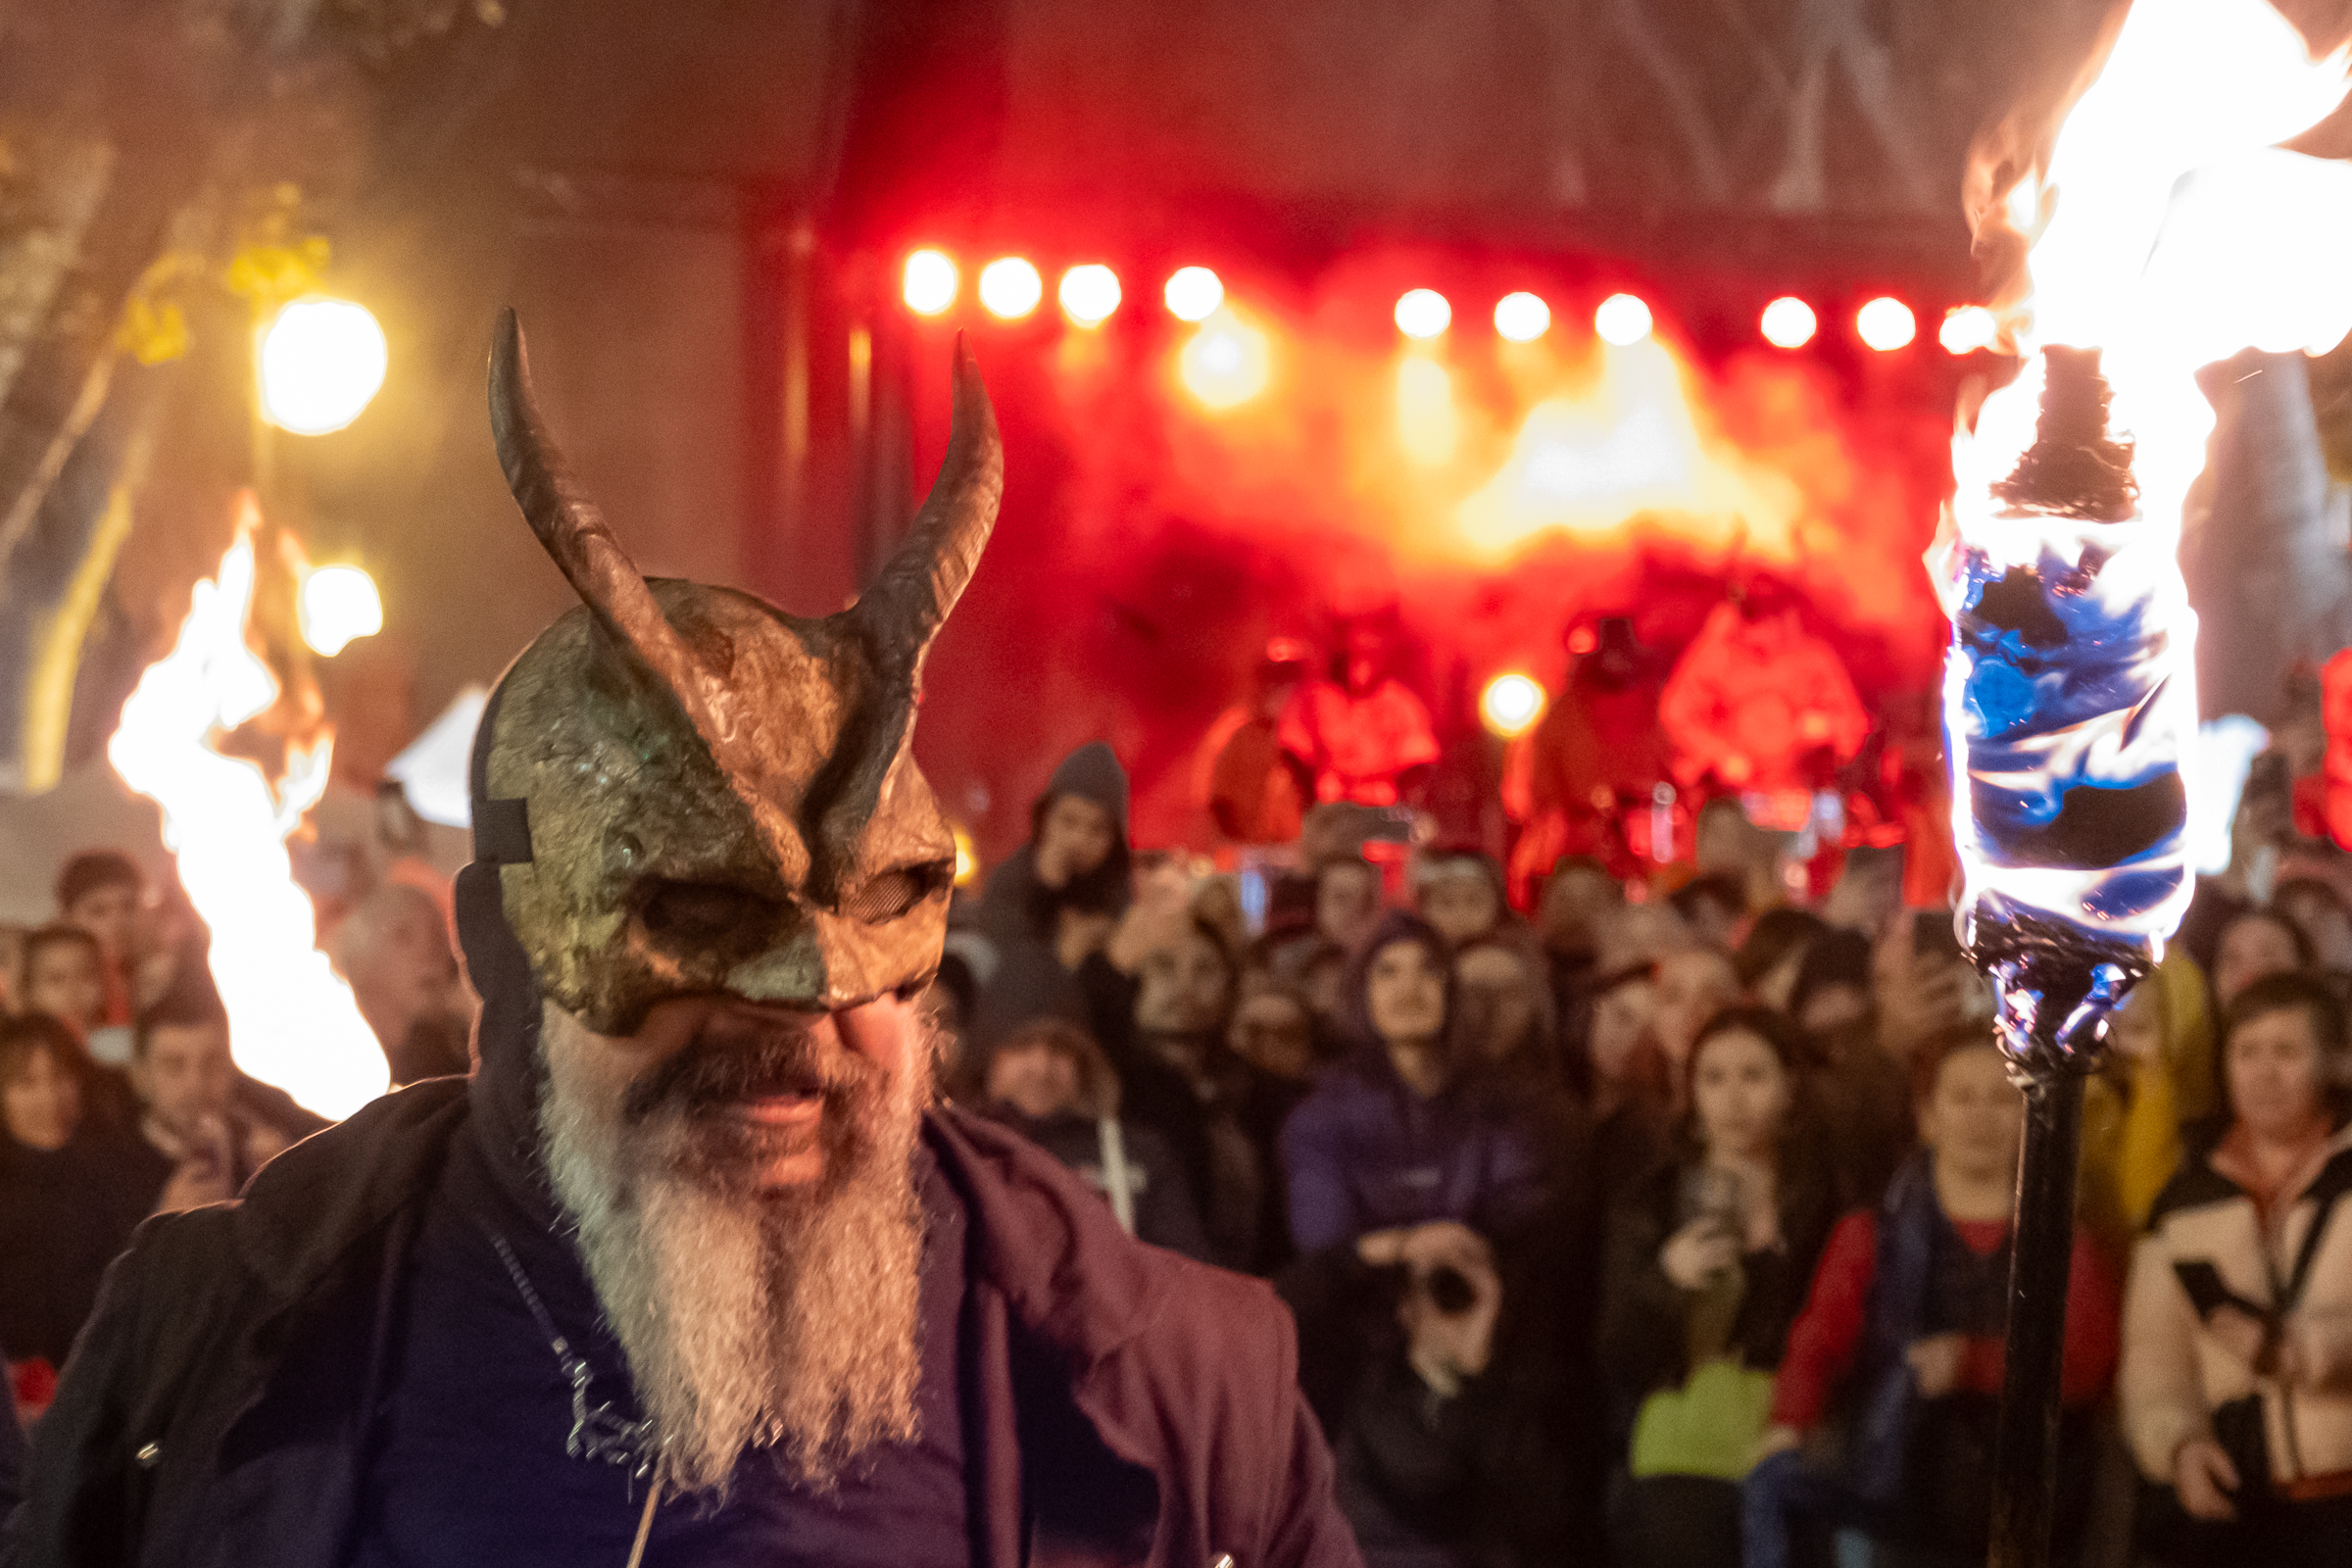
pixel 1885 324
pixel 1789 323
pixel 1269 468
pixel 1510 704
pixel 1226 363
pixel 929 283
pixel 1426 424
pixel 1089 293
pixel 1009 287
pixel 1423 314
pixel 1623 320
pixel 1193 294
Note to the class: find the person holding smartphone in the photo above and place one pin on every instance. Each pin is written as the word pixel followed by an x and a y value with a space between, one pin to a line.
pixel 1706 1263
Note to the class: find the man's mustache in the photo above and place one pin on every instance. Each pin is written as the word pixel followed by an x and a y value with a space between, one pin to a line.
pixel 738 1057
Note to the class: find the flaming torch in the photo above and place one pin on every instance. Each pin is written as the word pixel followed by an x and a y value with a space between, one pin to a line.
pixel 292 1019
pixel 2168 232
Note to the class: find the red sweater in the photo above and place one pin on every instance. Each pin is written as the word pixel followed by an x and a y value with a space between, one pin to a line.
pixel 1827 1334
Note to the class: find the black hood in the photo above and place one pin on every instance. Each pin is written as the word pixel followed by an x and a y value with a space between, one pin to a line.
pixel 507 1069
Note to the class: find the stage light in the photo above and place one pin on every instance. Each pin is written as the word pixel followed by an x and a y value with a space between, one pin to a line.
pixel 1885 324
pixel 1010 288
pixel 1789 323
pixel 1089 293
pixel 1510 704
pixel 1522 317
pixel 1621 319
pixel 1225 364
pixel 1967 329
pixel 335 604
pixel 929 283
pixel 319 364
pixel 1423 314
pixel 968 857
pixel 1193 294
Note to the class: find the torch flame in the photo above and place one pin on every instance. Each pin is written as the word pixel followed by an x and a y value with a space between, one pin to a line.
pixel 2173 235
pixel 292 1021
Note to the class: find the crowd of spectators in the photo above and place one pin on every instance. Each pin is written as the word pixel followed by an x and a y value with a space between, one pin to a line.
pixel 1668 1222
pixel 1664 1222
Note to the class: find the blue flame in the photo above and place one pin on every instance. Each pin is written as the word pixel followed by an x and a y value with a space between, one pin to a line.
pixel 2066 732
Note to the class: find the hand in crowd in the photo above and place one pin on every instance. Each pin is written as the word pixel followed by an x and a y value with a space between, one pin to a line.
pixel 204 1174
pixel 1080 934
pixel 1934 1363
pixel 1163 903
pixel 2205 1479
pixel 1449 1341
pixel 1699 1253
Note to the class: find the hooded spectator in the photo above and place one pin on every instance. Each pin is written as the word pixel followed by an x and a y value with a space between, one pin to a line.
pixel 1051 1083
pixel 2236 1382
pixel 1076 862
pixel 1706 1261
pixel 69 1196
pixel 1898 1354
pixel 1393 1136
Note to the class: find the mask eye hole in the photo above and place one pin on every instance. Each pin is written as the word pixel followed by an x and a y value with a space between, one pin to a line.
pixel 894 893
pixel 701 912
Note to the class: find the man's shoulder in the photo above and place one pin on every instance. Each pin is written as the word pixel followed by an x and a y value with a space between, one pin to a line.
pixel 1069 1273
pixel 305 1206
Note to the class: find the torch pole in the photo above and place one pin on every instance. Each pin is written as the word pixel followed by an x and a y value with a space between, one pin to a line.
pixel 2041 1250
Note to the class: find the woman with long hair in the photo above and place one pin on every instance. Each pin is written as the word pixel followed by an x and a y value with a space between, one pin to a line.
pixel 1705 1267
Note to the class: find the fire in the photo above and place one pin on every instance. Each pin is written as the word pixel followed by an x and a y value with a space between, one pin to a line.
pixel 2171 234
pixel 1623 445
pixel 292 1021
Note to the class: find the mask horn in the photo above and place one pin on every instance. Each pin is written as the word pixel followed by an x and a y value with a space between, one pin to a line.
pixel 910 601
pixel 573 530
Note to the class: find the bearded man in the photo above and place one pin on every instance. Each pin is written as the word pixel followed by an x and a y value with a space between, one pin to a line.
pixel 688 1271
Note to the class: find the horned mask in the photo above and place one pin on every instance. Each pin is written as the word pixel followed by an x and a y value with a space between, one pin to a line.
pixel 688 791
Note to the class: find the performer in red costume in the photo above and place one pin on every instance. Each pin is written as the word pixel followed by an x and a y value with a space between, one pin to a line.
pixel 1361 735
pixel 1760 704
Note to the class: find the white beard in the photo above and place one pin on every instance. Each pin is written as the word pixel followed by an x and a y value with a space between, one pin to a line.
pixel 749 1319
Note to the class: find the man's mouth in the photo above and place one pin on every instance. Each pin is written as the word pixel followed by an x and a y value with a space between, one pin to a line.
pixel 783 1108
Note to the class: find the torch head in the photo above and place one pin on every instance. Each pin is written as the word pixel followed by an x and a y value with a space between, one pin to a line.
pixel 2068 701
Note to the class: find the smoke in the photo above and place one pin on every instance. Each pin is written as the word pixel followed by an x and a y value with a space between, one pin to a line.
pixel 1500 492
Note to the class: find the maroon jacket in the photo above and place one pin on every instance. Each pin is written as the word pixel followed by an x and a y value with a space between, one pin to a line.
pixel 1135 1408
